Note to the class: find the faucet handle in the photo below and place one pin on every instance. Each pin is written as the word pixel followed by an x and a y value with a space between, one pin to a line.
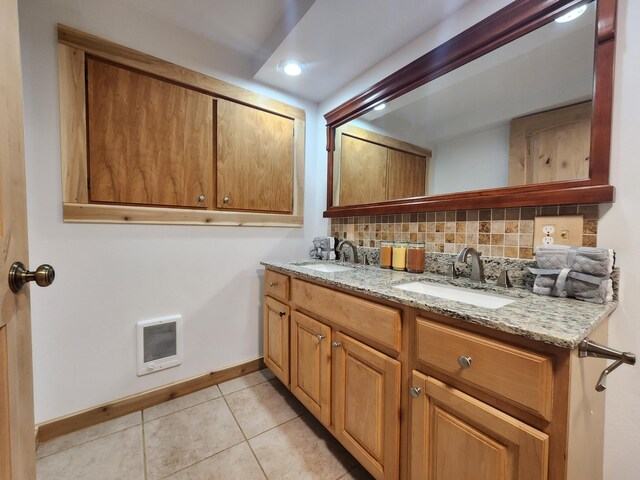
pixel 452 271
pixel 504 280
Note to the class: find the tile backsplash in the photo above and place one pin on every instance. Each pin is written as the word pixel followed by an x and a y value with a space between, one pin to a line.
pixel 498 232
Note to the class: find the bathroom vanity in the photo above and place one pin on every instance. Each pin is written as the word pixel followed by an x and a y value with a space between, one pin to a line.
pixel 439 385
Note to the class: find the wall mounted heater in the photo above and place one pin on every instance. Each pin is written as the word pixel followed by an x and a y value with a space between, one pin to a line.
pixel 159 343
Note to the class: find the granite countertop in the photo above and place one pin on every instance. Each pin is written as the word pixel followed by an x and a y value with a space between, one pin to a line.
pixel 562 322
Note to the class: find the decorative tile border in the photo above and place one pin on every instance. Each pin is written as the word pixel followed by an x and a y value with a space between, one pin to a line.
pixel 498 232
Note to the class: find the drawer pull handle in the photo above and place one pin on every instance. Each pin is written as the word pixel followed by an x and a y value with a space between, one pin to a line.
pixel 282 313
pixel 320 337
pixel 273 284
pixel 415 391
pixel 335 344
pixel 464 361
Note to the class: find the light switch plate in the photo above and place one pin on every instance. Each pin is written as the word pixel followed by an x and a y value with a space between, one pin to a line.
pixel 558 230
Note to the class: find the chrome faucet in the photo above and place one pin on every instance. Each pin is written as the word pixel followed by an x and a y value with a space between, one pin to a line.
pixel 477 268
pixel 354 250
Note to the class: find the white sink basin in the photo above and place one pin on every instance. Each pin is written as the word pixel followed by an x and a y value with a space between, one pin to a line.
pixel 458 294
pixel 327 267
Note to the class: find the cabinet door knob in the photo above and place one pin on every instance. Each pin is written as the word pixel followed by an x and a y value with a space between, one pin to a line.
pixel 226 200
pixel 273 284
pixel 282 313
pixel 415 391
pixel 320 337
pixel 335 344
pixel 464 361
pixel 201 198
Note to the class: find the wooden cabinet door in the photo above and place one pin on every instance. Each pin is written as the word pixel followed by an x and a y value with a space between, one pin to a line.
pixel 366 392
pixel 276 338
pixel 255 159
pixel 407 175
pixel 150 142
pixel 363 172
pixel 455 436
pixel 311 365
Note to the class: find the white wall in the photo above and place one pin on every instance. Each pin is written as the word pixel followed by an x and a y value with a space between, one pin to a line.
pixel 471 162
pixel 619 227
pixel 110 276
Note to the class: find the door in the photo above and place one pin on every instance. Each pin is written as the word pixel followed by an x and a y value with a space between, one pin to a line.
pixel 363 172
pixel 456 436
pixel 366 386
pixel 17 443
pixel 407 175
pixel 311 365
pixel 276 338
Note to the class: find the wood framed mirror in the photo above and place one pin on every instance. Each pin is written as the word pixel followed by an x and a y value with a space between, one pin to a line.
pixel 552 152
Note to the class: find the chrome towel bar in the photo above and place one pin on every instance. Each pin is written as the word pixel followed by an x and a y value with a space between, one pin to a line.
pixel 589 348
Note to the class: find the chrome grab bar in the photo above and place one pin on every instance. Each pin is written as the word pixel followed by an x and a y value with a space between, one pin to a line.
pixel 589 348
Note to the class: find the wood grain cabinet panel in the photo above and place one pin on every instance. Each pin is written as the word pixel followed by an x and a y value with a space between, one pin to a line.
pixel 366 389
pixel 407 175
pixel 254 159
pixel 455 436
pixel 371 320
pixel 363 172
pixel 150 142
pixel 276 338
pixel 519 376
pixel 276 285
pixel 311 365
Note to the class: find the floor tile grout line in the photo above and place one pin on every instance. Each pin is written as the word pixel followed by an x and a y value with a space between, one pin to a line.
pixel 88 441
pixel 258 461
pixel 185 408
pixel 144 448
pixel 249 386
pixel 206 458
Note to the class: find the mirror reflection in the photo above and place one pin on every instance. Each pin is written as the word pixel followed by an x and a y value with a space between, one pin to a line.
pixel 518 115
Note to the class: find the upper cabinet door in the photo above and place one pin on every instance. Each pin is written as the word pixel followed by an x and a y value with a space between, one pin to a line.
pixel 255 159
pixel 150 141
pixel 407 175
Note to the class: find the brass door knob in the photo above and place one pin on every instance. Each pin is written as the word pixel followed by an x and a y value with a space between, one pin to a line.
pixel 19 276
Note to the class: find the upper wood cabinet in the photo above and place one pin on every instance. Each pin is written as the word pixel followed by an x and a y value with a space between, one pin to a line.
pixel 376 168
pixel 150 141
pixel 147 141
pixel 255 159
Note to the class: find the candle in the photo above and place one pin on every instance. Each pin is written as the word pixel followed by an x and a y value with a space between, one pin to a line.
pixel 385 254
pixel 399 256
pixel 415 258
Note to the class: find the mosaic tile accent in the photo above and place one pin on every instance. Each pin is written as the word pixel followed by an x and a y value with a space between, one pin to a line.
pixel 498 232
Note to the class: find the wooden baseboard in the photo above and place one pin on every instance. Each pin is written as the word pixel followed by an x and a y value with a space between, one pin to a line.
pixel 124 406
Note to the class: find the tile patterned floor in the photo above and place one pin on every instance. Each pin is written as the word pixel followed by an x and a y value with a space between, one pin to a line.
pixel 250 428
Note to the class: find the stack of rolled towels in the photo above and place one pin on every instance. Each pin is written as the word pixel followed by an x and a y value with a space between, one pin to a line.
pixel 579 272
pixel 324 248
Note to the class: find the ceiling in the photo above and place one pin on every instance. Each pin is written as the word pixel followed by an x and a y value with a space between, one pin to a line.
pixel 336 39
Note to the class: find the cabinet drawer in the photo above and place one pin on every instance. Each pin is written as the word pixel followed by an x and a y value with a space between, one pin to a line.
pixel 276 285
pixel 369 319
pixel 519 376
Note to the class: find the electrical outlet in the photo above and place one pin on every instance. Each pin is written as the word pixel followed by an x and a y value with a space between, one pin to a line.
pixel 558 230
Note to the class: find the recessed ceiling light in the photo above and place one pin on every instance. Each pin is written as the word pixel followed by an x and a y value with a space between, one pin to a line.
pixel 572 15
pixel 379 107
pixel 293 68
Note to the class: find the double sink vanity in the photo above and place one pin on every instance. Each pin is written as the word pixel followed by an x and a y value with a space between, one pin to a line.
pixel 409 370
